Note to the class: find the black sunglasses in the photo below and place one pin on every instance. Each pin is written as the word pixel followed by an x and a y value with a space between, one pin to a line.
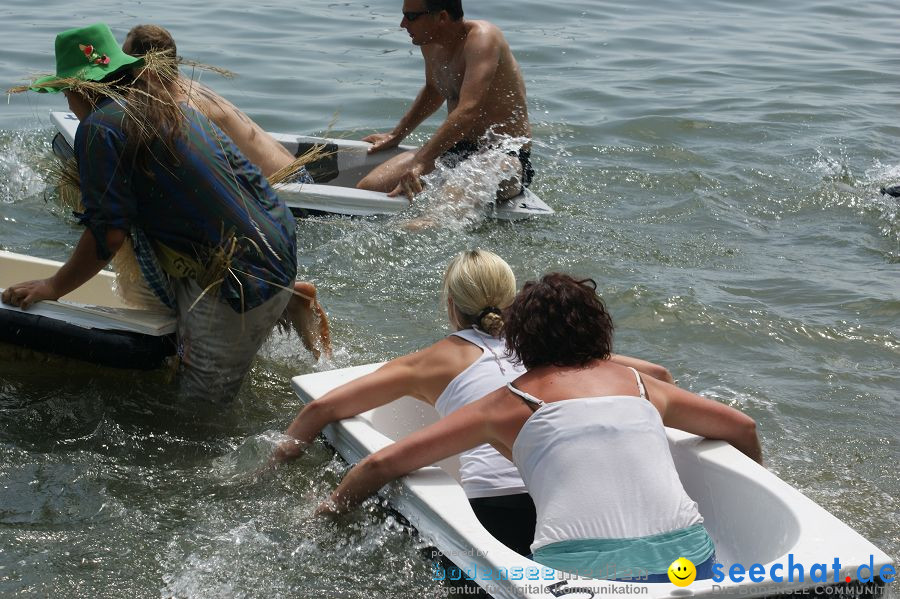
pixel 412 16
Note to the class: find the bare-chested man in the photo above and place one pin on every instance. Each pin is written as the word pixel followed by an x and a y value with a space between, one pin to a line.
pixel 469 65
pixel 307 316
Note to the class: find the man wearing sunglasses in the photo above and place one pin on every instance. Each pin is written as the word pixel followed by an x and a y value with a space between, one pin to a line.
pixel 469 65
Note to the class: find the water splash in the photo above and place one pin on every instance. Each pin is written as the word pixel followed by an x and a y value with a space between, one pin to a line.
pixel 460 192
pixel 887 207
pixel 20 164
pixel 249 458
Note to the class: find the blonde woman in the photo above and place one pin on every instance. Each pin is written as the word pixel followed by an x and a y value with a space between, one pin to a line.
pixel 457 370
pixel 588 436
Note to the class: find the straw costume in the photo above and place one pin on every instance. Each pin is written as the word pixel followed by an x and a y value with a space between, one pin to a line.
pixel 198 212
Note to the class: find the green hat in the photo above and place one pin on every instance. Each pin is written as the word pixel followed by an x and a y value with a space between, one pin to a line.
pixel 86 53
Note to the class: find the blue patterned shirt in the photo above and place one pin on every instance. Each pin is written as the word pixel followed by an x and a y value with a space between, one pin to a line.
pixel 193 204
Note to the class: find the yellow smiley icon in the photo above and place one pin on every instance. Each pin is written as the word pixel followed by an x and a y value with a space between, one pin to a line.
pixel 682 572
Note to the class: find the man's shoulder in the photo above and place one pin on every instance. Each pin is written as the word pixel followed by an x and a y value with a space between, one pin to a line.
pixel 483 29
pixel 484 33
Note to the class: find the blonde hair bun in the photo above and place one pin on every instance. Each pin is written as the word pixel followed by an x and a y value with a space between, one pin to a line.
pixel 481 284
pixel 491 323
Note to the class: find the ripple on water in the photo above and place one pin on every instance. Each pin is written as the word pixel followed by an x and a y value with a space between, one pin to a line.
pixel 53 494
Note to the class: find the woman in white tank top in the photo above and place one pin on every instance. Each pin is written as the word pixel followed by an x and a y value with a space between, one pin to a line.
pixel 588 437
pixel 448 375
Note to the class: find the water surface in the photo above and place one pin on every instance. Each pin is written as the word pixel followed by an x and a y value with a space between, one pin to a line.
pixel 715 167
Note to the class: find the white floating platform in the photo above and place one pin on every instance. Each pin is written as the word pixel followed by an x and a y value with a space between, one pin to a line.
pixel 92 323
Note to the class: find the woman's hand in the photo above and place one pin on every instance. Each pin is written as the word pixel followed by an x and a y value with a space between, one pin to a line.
pixel 288 450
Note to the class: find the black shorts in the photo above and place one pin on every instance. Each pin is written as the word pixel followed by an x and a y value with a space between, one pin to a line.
pixel 466 148
pixel 509 518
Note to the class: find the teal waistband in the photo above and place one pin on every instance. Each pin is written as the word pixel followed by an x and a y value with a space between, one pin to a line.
pixel 624 558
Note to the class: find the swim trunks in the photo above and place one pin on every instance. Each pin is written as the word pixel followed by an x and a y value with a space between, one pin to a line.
pixel 465 148
pixel 301 175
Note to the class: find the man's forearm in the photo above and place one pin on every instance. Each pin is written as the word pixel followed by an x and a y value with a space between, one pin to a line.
pixel 459 126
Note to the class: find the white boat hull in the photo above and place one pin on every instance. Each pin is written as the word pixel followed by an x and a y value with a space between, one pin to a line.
pixel 92 323
pixel 348 165
pixel 753 516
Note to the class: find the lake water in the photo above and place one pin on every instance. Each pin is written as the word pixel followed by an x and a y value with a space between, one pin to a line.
pixel 714 165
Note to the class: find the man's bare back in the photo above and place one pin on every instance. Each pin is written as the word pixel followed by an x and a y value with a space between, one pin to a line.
pixel 258 146
pixel 468 65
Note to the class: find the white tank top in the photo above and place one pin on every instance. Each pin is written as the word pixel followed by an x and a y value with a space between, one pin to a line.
pixel 483 471
pixel 600 468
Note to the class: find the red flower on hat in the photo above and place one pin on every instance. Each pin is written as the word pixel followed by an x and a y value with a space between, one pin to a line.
pixel 93 57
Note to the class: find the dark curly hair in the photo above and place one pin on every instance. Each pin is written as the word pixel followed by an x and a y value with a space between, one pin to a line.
pixel 559 321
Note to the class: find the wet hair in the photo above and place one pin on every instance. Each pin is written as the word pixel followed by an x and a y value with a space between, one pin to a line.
pixel 143 39
pixel 453 7
pixel 153 39
pixel 558 321
pixel 159 116
pixel 481 284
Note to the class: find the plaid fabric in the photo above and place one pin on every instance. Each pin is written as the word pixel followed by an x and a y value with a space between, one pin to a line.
pixel 193 202
pixel 156 278
pixel 301 175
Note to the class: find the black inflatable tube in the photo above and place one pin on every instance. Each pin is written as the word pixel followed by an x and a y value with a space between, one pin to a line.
pixel 116 349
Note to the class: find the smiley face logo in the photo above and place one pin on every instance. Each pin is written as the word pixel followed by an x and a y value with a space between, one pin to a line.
pixel 682 572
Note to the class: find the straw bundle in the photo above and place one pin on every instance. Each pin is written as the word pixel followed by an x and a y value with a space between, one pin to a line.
pixel 161 71
pixel 287 172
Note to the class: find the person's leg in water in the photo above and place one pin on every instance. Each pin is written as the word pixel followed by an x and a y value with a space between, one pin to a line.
pixel 386 176
pixel 217 345
pixel 511 186
pixel 309 319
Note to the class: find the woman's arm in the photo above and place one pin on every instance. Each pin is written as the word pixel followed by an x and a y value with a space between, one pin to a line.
pixel 461 430
pixel 694 414
pixel 399 377
pixel 644 367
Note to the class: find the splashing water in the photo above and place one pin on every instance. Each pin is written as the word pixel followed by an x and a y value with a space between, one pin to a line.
pixel 249 458
pixel 460 192
pixel 887 207
pixel 18 177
